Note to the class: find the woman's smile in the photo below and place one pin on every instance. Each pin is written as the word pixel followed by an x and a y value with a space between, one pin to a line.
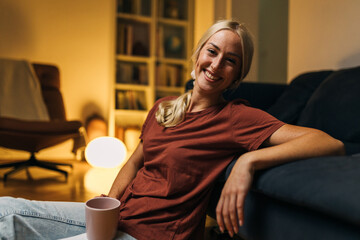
pixel 211 77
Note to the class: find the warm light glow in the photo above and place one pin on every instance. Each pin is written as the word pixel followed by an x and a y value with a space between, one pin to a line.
pixel 105 152
pixel 99 180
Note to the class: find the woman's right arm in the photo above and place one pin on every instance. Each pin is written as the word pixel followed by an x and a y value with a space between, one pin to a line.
pixel 127 173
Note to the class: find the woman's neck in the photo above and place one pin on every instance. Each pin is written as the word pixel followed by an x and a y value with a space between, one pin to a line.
pixel 200 102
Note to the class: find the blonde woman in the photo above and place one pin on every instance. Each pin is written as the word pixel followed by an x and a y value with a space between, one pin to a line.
pixel 187 141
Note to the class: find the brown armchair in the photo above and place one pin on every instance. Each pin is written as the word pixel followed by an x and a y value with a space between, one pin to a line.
pixel 33 136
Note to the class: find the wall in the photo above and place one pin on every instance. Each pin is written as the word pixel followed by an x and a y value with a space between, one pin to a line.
pixel 323 34
pixel 204 17
pixel 273 45
pixel 77 36
pixel 267 21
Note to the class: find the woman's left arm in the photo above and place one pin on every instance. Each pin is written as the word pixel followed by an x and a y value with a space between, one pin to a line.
pixel 288 143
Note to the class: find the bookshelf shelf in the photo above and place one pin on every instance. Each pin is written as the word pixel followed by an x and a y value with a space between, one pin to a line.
pixel 174 22
pixel 173 61
pixel 135 59
pixel 138 18
pixel 135 87
pixel 153 47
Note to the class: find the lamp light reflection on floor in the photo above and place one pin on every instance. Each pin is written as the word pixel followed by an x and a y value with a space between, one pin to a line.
pixel 99 180
pixel 105 152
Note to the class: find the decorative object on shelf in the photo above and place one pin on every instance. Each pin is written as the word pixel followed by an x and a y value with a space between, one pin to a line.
pixel 173 44
pixel 172 9
pixel 105 152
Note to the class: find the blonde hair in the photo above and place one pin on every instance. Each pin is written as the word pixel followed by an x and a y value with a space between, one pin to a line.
pixel 172 112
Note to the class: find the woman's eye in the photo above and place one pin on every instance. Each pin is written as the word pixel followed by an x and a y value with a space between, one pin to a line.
pixel 211 51
pixel 231 60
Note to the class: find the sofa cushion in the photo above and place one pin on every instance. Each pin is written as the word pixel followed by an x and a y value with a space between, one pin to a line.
pixel 290 104
pixel 325 184
pixel 334 106
pixel 259 95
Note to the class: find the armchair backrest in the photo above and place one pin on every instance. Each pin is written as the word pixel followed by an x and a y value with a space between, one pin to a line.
pixel 49 77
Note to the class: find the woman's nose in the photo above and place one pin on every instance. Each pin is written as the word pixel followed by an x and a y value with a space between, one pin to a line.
pixel 216 64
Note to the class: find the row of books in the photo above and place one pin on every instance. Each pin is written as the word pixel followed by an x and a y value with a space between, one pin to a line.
pixel 133 39
pixel 138 7
pixel 169 75
pixel 175 9
pixel 130 73
pixel 129 99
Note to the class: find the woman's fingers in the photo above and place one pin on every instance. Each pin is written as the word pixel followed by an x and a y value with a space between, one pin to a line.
pixel 219 209
pixel 226 213
pixel 240 209
pixel 233 213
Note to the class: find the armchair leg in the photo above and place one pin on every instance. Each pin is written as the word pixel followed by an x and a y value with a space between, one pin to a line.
pixel 50 167
pixel 18 166
pixel 54 164
pixel 14 164
pixel 15 170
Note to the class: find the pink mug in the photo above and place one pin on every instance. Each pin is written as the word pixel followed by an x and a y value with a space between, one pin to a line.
pixel 102 215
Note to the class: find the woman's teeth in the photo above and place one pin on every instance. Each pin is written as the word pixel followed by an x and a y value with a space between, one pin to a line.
pixel 211 76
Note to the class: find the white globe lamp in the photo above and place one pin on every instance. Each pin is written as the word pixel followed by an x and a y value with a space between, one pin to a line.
pixel 105 152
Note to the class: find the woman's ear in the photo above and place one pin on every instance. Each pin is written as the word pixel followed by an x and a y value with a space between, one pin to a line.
pixel 193 74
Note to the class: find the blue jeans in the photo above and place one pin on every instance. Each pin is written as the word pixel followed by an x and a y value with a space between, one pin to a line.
pixel 25 219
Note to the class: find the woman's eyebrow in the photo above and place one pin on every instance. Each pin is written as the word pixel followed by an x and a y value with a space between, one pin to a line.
pixel 215 46
pixel 231 53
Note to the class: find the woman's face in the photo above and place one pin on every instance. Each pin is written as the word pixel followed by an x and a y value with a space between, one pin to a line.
pixel 219 62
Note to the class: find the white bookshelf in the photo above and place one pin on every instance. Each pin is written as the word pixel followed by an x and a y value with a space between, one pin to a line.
pixel 153 49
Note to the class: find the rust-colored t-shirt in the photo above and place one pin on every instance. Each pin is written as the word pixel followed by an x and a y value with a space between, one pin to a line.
pixel 169 195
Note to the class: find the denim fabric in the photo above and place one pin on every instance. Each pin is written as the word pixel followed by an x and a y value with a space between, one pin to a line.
pixel 25 219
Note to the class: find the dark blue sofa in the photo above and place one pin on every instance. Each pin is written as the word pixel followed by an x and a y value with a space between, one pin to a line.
pixel 317 198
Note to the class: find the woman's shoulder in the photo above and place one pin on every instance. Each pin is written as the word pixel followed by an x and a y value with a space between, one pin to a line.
pixel 241 107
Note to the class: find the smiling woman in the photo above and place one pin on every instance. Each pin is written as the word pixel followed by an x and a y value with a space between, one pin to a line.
pixel 239 52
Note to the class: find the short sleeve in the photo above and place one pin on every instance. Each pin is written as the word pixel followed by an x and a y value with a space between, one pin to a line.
pixel 252 126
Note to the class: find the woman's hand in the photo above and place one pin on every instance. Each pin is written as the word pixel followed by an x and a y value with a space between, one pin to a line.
pixel 230 208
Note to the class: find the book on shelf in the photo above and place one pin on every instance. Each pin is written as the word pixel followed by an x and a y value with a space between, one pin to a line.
pixel 168 75
pixel 129 99
pixel 132 38
pixel 129 6
pixel 130 73
pixel 173 75
pixel 129 39
pixel 125 39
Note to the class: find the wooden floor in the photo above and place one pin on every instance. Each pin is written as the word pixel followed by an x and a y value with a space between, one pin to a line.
pixel 83 183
